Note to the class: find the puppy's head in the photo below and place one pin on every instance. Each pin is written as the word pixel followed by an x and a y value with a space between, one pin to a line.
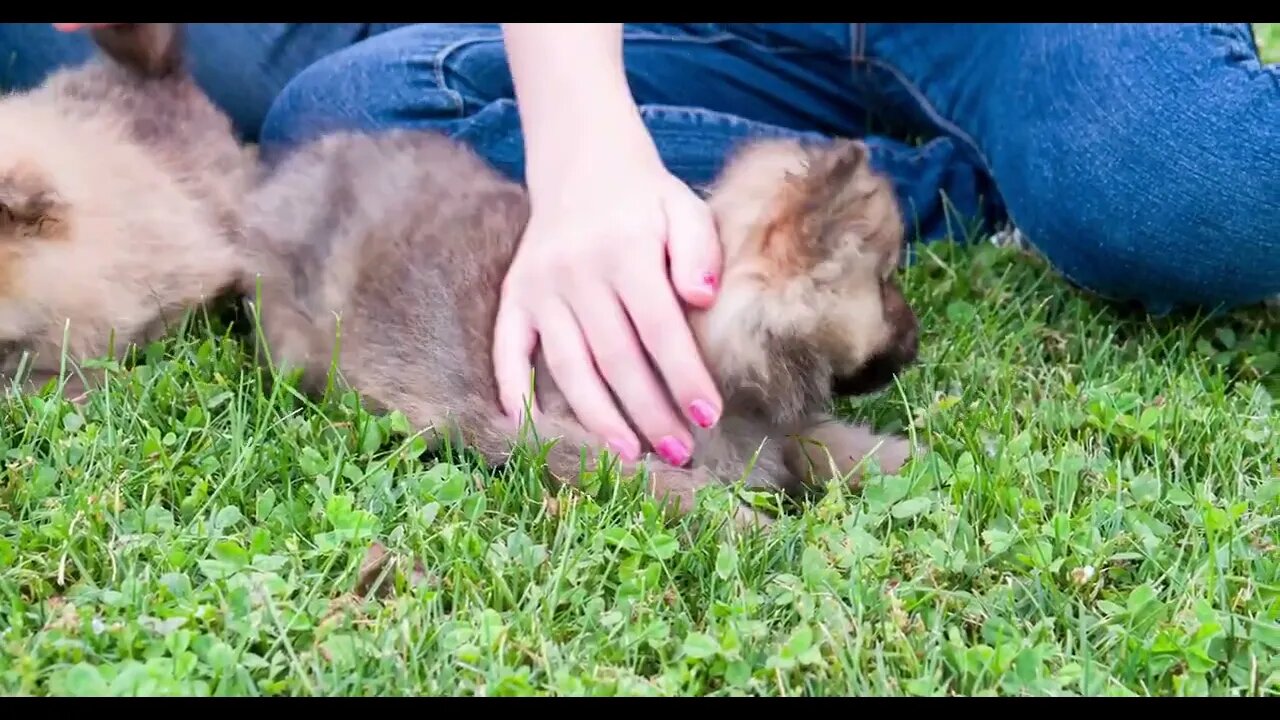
pixel 809 307
pixel 108 227
pixel 54 279
pixel 98 246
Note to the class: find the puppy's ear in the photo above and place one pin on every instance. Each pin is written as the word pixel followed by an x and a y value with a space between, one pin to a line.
pixel 818 207
pixel 838 164
pixel 150 50
pixel 839 176
pixel 30 207
pixel 849 201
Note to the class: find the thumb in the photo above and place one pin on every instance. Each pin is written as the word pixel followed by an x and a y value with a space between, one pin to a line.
pixel 514 340
pixel 693 248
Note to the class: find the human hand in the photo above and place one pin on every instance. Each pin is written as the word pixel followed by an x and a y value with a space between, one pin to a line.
pixel 593 262
pixel 72 27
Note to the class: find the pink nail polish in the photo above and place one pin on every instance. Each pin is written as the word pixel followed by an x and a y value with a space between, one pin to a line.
pixel 702 413
pixel 673 451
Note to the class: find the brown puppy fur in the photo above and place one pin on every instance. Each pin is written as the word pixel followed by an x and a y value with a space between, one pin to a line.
pixel 120 191
pixel 387 253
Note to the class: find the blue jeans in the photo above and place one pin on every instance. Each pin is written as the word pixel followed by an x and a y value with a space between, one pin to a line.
pixel 1142 160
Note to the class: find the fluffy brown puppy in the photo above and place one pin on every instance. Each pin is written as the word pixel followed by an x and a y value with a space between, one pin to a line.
pixel 120 192
pixel 386 253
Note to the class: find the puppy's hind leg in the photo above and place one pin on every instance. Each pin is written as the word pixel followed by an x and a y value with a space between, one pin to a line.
pixel 828 449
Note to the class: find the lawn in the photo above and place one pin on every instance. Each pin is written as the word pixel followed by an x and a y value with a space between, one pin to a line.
pixel 1097 515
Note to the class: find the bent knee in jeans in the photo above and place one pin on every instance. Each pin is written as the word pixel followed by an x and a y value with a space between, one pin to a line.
pixel 1169 194
pixel 426 76
pixel 1143 159
pixel 1170 236
pixel 1171 226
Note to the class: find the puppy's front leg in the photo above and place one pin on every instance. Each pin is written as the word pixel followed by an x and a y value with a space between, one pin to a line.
pixel 676 489
pixel 74 390
pixel 829 448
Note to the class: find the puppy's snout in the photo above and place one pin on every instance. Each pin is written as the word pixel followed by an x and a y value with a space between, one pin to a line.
pixel 901 350
pixel 904 327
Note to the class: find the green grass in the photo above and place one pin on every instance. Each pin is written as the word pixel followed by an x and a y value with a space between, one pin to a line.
pixel 1097 515
pixel 1268 35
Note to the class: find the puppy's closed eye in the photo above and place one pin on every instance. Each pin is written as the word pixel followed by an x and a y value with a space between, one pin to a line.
pixel 28 207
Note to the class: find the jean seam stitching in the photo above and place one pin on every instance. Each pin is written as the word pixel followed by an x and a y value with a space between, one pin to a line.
pixel 944 123
pixel 441 59
pixel 932 112
pixel 727 37
pixel 1244 52
pixel 442 56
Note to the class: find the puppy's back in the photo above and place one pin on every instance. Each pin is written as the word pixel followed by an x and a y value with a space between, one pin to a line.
pixel 392 246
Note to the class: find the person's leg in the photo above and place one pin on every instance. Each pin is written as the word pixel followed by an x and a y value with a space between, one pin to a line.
pixel 242 66
pixel 701 89
pixel 1142 160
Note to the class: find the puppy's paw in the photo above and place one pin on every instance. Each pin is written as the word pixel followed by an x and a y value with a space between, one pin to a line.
pixel 830 449
pixel 893 452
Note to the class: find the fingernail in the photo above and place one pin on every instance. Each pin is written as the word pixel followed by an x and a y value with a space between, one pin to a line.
pixel 703 413
pixel 625 449
pixel 709 279
pixel 673 451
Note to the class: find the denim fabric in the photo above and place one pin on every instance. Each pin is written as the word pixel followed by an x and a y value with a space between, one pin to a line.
pixel 701 89
pixel 1143 160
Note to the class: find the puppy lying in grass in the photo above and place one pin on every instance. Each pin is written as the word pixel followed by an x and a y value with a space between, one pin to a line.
pixel 382 257
pixel 121 187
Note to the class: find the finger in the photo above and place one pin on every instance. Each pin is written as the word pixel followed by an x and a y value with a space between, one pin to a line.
pixel 664 331
pixel 72 27
pixel 626 368
pixel 693 248
pixel 570 363
pixel 514 339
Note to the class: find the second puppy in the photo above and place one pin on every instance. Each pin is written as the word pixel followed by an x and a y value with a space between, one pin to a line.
pixel 121 186
pixel 387 253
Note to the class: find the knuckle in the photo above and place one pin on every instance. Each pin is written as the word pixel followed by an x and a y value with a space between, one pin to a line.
pixel 614 358
pixel 655 331
pixel 649 407
pixel 571 277
pixel 560 265
pixel 598 415
pixel 671 350
pixel 515 285
pixel 561 365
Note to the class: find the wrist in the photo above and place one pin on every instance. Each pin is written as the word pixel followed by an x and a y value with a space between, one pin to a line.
pixel 601 138
pixel 576 111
